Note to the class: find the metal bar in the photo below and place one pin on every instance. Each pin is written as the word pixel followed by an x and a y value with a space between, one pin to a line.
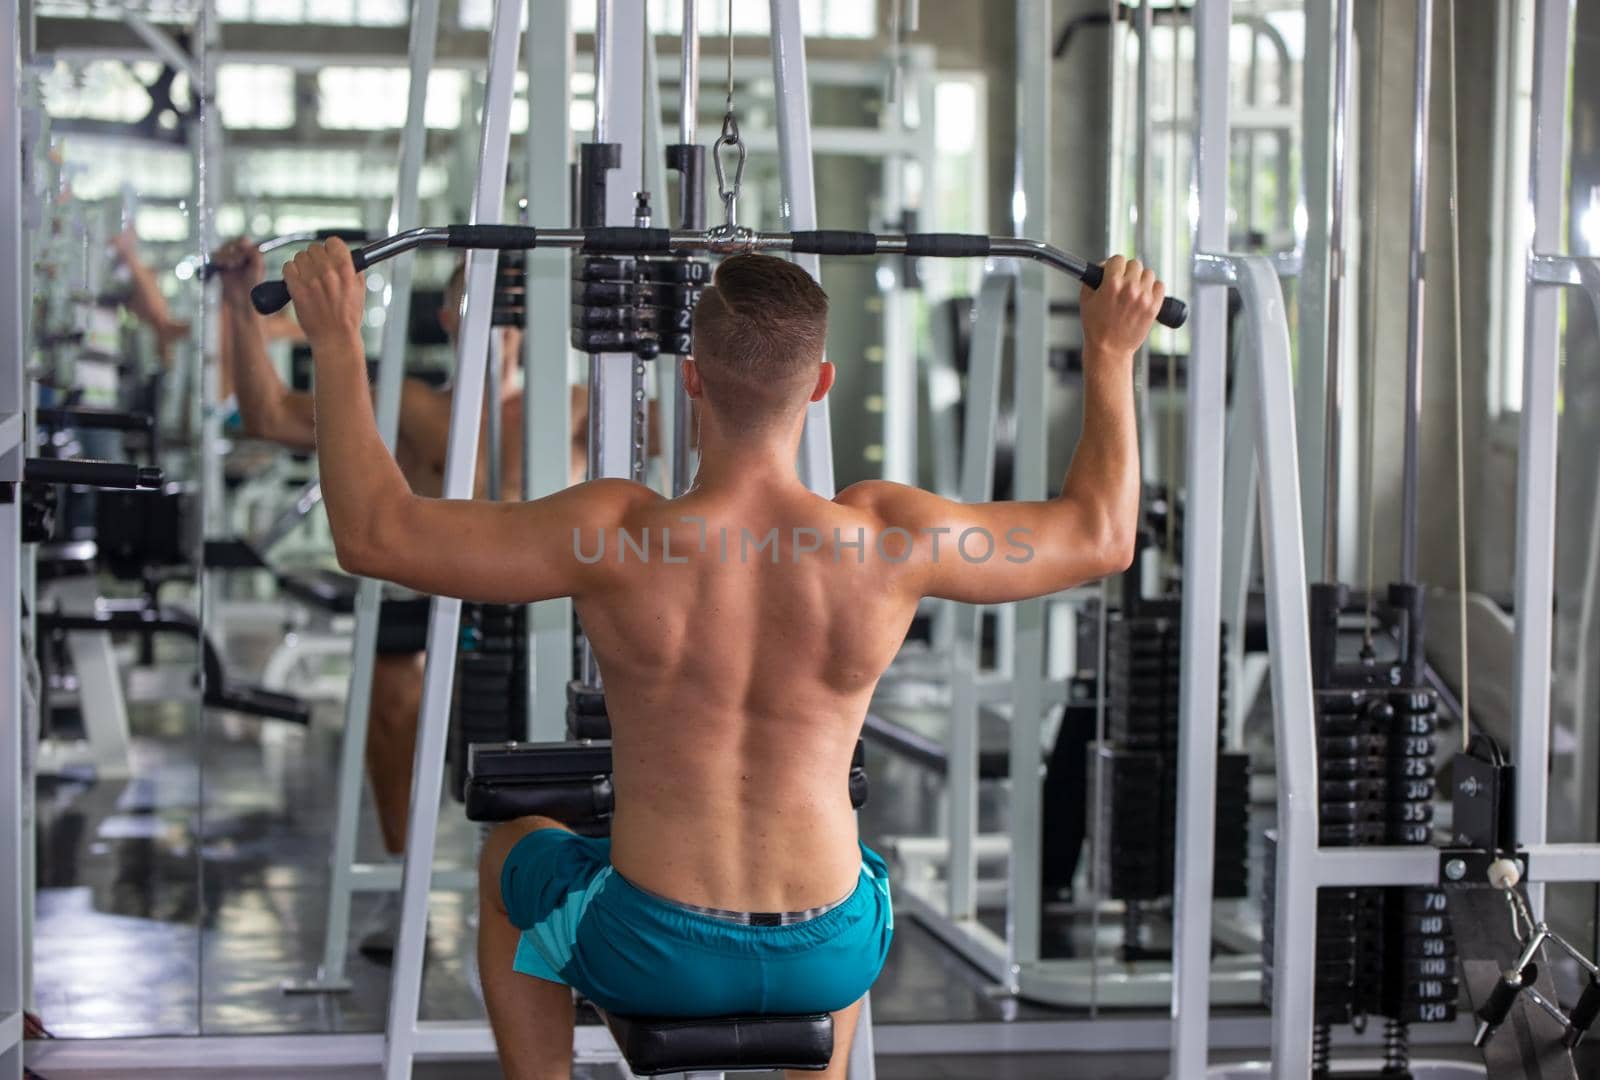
pixel 385 877
pixel 206 148
pixel 1334 358
pixel 1202 553
pixel 363 650
pixel 1324 35
pixel 689 75
pixel 619 118
pixel 1378 866
pixel 978 456
pixel 546 413
pixel 493 414
pixel 1153 455
pixel 653 164
pixel 716 242
pixel 1287 619
pixel 1418 286
pixel 1239 532
pixel 1536 461
pixel 161 43
pixel 688 122
pixel 1562 862
pixel 977 485
pixel 15 905
pixel 899 367
pixel 461 459
pixel 1031 209
pixel 793 97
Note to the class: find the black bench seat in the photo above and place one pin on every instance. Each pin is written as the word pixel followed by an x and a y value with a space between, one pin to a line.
pixel 657 1046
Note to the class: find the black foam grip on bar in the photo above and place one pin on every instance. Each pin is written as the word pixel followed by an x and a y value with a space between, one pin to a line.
pixel 833 242
pixel 493 237
pixel 87 418
pixel 946 245
pixel 1174 312
pixel 622 240
pixel 100 474
pixel 1502 997
pixel 1586 1010
pixel 269 297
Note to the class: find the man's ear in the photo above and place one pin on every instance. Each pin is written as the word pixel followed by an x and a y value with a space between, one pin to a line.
pixel 825 374
pixel 691 379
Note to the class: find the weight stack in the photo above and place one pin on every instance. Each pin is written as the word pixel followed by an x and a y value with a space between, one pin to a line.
pixel 1422 982
pixel 1380 951
pixel 1134 782
pixel 637 305
pixel 491 678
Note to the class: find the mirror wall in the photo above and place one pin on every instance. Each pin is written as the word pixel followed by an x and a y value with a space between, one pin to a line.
pixel 114 605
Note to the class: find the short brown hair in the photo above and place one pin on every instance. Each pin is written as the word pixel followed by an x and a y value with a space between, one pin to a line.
pixel 759 331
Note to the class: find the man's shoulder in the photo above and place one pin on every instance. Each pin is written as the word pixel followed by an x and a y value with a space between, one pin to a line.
pixel 885 499
pixel 614 496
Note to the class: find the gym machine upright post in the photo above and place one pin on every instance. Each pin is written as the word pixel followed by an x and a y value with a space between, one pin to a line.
pixel 346 875
pixel 13 773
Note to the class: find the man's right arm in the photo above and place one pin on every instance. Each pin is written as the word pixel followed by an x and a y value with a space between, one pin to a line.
pixel 990 553
pixel 268 408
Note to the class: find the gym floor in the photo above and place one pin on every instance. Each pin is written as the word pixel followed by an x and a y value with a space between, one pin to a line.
pixel 202 947
pixel 118 878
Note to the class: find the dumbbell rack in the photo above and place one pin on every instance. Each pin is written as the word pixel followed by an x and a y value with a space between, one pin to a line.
pixel 1380 951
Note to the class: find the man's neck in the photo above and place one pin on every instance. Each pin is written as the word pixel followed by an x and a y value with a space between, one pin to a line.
pixel 746 463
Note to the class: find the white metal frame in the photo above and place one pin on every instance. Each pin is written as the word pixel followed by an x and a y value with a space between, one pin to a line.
pixel 1303 866
pixel 546 432
pixel 348 876
pixel 406 1035
pixel 14 774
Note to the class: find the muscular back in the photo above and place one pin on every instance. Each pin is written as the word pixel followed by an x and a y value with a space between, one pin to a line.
pixel 737 681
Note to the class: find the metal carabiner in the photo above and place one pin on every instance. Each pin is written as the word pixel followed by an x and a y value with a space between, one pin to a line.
pixel 730 197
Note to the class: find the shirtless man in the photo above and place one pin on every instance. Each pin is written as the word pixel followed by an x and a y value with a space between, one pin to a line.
pixel 268 409
pixel 739 656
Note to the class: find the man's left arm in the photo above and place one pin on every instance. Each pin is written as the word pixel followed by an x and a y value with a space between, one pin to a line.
pixel 493 552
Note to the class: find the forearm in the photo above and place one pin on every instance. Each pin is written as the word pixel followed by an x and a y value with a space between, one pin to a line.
pixel 268 408
pixel 144 297
pixel 361 483
pixel 1103 478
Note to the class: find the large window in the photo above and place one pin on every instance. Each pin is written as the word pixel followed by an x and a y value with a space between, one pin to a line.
pixel 373 98
pixel 820 18
pixel 1513 224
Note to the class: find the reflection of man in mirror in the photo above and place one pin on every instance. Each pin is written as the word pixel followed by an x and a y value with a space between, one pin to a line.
pixel 269 409
pixel 145 300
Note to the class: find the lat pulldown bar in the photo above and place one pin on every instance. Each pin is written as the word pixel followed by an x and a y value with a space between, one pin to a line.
pixel 271 296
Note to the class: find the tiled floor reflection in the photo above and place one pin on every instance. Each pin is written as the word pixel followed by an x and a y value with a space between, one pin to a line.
pixel 181 901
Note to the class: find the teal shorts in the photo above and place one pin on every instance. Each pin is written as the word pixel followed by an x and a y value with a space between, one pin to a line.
pixel 636 954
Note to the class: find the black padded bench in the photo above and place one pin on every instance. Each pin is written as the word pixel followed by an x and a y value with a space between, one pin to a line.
pixel 695 1048
pixel 571 782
